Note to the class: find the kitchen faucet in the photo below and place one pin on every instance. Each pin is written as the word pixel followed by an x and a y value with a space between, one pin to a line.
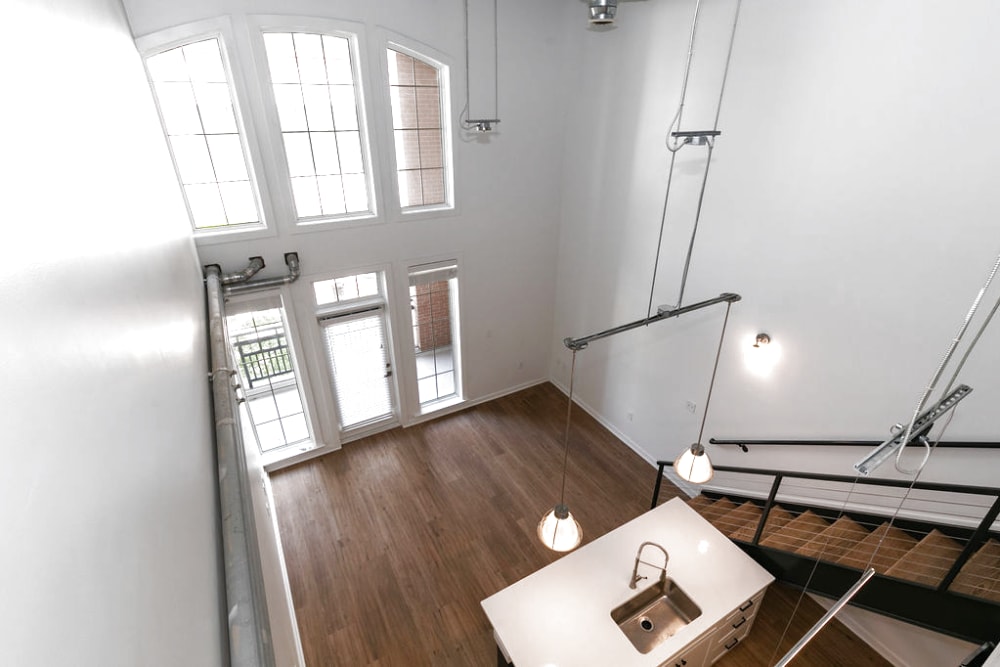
pixel 638 559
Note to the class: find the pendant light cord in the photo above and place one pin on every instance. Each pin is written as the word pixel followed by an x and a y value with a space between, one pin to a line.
pixel 711 383
pixel 569 412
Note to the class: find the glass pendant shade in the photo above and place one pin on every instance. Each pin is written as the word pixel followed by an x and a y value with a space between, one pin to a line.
pixel 558 530
pixel 693 465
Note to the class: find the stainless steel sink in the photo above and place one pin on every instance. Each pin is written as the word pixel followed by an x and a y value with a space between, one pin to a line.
pixel 654 614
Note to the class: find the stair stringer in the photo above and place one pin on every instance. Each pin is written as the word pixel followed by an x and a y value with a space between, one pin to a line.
pixel 960 616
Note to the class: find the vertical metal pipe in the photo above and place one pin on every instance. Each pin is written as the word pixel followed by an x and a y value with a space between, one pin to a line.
pixel 249 629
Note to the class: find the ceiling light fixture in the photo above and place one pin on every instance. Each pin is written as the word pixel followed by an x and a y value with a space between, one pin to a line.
pixel 602 12
pixel 558 530
pixel 482 124
pixel 694 465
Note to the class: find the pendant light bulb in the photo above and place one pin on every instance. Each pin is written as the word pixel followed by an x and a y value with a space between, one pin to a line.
pixel 694 465
pixel 558 530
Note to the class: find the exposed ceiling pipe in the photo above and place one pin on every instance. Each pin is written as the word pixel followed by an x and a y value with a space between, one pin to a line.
pixel 239 282
pixel 255 265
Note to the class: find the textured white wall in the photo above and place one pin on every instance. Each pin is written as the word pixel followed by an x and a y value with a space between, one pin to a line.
pixel 110 553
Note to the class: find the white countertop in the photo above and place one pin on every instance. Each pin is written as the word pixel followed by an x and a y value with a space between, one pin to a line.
pixel 560 616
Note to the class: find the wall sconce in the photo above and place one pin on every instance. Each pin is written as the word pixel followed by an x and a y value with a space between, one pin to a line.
pixel 761 354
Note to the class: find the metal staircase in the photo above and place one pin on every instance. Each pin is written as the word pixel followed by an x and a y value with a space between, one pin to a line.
pixel 940 576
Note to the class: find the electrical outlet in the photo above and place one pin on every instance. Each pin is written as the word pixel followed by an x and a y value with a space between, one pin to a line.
pixel 629 416
pixel 691 406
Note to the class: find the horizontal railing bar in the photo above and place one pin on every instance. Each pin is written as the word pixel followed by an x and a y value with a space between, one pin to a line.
pixel 662 314
pixel 898 483
pixel 842 443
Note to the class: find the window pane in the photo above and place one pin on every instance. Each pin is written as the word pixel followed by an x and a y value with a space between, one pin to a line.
pixel 227 157
pixel 215 107
pixel 349 147
pixel 415 95
pixel 193 162
pixel 324 147
pixel 281 57
pixel 317 103
pixel 291 110
pixel 237 199
pixel 432 185
pixel 410 193
pixel 407 149
pixel 355 193
pixel 167 66
pixel 345 108
pixel 299 155
pixel 206 205
pixel 325 103
pixel 204 62
pixel 178 108
pixel 367 284
pixel 331 195
pixel 309 55
pixel 306 197
pixel 338 60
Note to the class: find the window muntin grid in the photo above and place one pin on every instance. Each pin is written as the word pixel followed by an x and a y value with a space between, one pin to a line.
pixel 415 96
pixel 346 288
pixel 434 318
pixel 265 360
pixel 312 78
pixel 195 98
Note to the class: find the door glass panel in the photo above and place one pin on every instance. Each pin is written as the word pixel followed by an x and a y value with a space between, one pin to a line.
pixel 358 354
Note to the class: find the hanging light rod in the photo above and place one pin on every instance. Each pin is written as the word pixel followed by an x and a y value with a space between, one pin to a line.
pixel 662 313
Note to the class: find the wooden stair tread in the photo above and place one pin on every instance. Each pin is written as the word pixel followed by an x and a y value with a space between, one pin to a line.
pixel 717 509
pixel 929 561
pixel 980 576
pixel 699 503
pixel 796 532
pixel 895 545
pixel 736 519
pixel 843 535
pixel 776 518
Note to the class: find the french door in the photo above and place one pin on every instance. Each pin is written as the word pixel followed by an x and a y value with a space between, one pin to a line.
pixel 357 350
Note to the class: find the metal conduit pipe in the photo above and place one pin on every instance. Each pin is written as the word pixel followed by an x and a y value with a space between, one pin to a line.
pixel 255 265
pixel 249 628
pixel 294 271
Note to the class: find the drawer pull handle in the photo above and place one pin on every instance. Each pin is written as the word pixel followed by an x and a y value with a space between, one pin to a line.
pixel 746 605
pixel 736 640
pixel 741 622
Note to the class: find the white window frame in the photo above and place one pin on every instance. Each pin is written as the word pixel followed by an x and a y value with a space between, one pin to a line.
pixel 219 28
pixel 288 455
pixel 324 390
pixel 280 180
pixel 389 40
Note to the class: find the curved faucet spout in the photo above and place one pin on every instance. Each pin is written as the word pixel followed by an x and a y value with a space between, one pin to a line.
pixel 638 559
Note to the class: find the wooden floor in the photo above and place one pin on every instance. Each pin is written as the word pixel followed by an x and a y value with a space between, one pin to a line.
pixel 392 542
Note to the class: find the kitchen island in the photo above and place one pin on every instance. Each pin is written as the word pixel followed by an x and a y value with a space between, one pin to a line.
pixel 560 616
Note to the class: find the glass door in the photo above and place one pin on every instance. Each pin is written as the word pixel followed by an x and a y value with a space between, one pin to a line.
pixel 357 350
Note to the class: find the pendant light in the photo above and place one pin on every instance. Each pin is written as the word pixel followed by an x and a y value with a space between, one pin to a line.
pixel 558 530
pixel 694 465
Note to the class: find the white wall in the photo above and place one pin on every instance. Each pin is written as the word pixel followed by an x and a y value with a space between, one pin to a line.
pixel 504 229
pixel 110 553
pixel 849 202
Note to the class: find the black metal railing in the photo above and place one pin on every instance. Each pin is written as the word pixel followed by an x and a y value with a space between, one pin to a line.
pixel 744 443
pixel 264 357
pixel 975 540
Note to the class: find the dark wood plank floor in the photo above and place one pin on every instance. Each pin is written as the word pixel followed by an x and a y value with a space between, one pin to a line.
pixel 392 542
